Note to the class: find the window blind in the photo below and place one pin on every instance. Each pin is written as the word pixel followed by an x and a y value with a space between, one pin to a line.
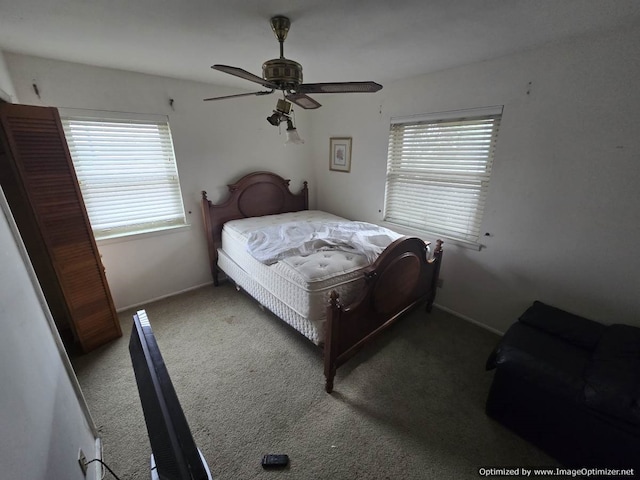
pixel 127 174
pixel 438 174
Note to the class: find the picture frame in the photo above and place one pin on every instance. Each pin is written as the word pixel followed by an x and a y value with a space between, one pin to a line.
pixel 340 154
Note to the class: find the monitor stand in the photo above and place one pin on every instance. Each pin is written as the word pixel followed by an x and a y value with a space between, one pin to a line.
pixel 154 471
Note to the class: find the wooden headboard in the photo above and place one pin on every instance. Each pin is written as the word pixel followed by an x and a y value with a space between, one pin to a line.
pixel 254 195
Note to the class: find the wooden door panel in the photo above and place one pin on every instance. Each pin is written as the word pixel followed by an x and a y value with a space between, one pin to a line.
pixel 38 148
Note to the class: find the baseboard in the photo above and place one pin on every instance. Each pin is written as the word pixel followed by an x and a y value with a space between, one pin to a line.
pixel 96 468
pixel 437 305
pixel 469 319
pixel 146 302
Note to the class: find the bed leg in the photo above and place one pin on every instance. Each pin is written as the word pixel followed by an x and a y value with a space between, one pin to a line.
pixel 331 340
pixel 435 280
pixel 328 384
pixel 216 282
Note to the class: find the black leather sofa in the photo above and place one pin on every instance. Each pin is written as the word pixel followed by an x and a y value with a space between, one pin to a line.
pixel 571 386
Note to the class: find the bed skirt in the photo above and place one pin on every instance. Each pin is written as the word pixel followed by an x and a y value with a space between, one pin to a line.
pixel 313 332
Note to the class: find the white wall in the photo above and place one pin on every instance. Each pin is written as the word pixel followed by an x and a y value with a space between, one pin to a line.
pixel 562 208
pixel 7 92
pixel 564 204
pixel 215 143
pixel 43 418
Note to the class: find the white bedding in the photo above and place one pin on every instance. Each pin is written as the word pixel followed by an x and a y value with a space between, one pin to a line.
pixel 276 242
pixel 296 288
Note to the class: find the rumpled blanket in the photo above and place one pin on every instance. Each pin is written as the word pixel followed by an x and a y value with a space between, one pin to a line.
pixel 274 243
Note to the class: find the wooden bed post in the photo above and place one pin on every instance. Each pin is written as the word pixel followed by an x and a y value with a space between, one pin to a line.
pixel 305 194
pixel 331 340
pixel 437 259
pixel 213 251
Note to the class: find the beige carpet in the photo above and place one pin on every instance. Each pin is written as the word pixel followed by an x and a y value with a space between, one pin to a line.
pixel 409 406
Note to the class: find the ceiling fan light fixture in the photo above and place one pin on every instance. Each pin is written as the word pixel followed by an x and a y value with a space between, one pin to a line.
pixel 283 106
pixel 293 137
pixel 281 113
pixel 275 118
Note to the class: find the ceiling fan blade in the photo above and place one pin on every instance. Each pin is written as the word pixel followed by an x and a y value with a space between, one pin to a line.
pixel 302 100
pixel 238 72
pixel 339 87
pixel 267 92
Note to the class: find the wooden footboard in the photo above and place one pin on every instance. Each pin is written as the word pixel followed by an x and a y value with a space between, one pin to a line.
pixel 401 278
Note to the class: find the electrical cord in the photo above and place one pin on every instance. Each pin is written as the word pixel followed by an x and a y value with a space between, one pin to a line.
pixel 104 465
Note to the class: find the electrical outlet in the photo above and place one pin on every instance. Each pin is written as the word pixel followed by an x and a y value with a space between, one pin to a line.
pixel 82 460
pixel 440 282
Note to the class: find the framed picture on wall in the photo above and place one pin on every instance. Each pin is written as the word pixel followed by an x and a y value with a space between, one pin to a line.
pixel 340 159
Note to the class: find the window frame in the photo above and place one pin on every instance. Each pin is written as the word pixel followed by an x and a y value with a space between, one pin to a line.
pixel 167 167
pixel 398 165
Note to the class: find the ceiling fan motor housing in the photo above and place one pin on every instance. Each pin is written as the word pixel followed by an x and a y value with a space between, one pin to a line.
pixel 283 72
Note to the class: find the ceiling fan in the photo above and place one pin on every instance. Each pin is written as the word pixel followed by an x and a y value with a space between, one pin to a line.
pixel 286 75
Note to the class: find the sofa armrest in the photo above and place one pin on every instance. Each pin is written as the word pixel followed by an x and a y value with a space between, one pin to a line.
pixel 612 378
pixel 571 328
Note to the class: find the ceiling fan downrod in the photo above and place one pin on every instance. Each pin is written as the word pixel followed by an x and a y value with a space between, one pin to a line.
pixel 280 26
pixel 285 73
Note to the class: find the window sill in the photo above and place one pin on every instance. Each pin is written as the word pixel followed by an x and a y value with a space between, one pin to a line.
pixel 126 237
pixel 432 236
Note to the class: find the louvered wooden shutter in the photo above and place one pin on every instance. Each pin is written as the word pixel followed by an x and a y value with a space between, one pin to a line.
pixel 36 145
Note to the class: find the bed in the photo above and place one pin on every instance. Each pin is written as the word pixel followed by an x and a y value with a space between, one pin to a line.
pixel 337 297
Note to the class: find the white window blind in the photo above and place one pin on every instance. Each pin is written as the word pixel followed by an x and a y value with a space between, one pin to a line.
pixel 438 172
pixel 127 174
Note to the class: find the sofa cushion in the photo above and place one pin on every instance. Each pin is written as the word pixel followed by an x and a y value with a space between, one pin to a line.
pixel 543 360
pixel 572 328
pixel 612 377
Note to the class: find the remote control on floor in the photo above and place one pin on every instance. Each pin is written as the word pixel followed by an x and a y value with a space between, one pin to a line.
pixel 275 461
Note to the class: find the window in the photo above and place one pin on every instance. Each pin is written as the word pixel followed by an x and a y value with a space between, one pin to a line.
pixel 438 171
pixel 127 173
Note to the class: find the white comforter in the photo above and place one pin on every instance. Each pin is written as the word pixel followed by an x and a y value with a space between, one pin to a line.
pixel 276 242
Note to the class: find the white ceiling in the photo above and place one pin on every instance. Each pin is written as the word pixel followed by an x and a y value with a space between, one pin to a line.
pixel 335 40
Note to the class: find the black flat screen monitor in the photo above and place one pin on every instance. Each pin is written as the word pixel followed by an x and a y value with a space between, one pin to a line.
pixel 174 452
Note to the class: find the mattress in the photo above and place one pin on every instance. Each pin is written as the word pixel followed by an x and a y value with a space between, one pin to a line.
pixel 297 288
